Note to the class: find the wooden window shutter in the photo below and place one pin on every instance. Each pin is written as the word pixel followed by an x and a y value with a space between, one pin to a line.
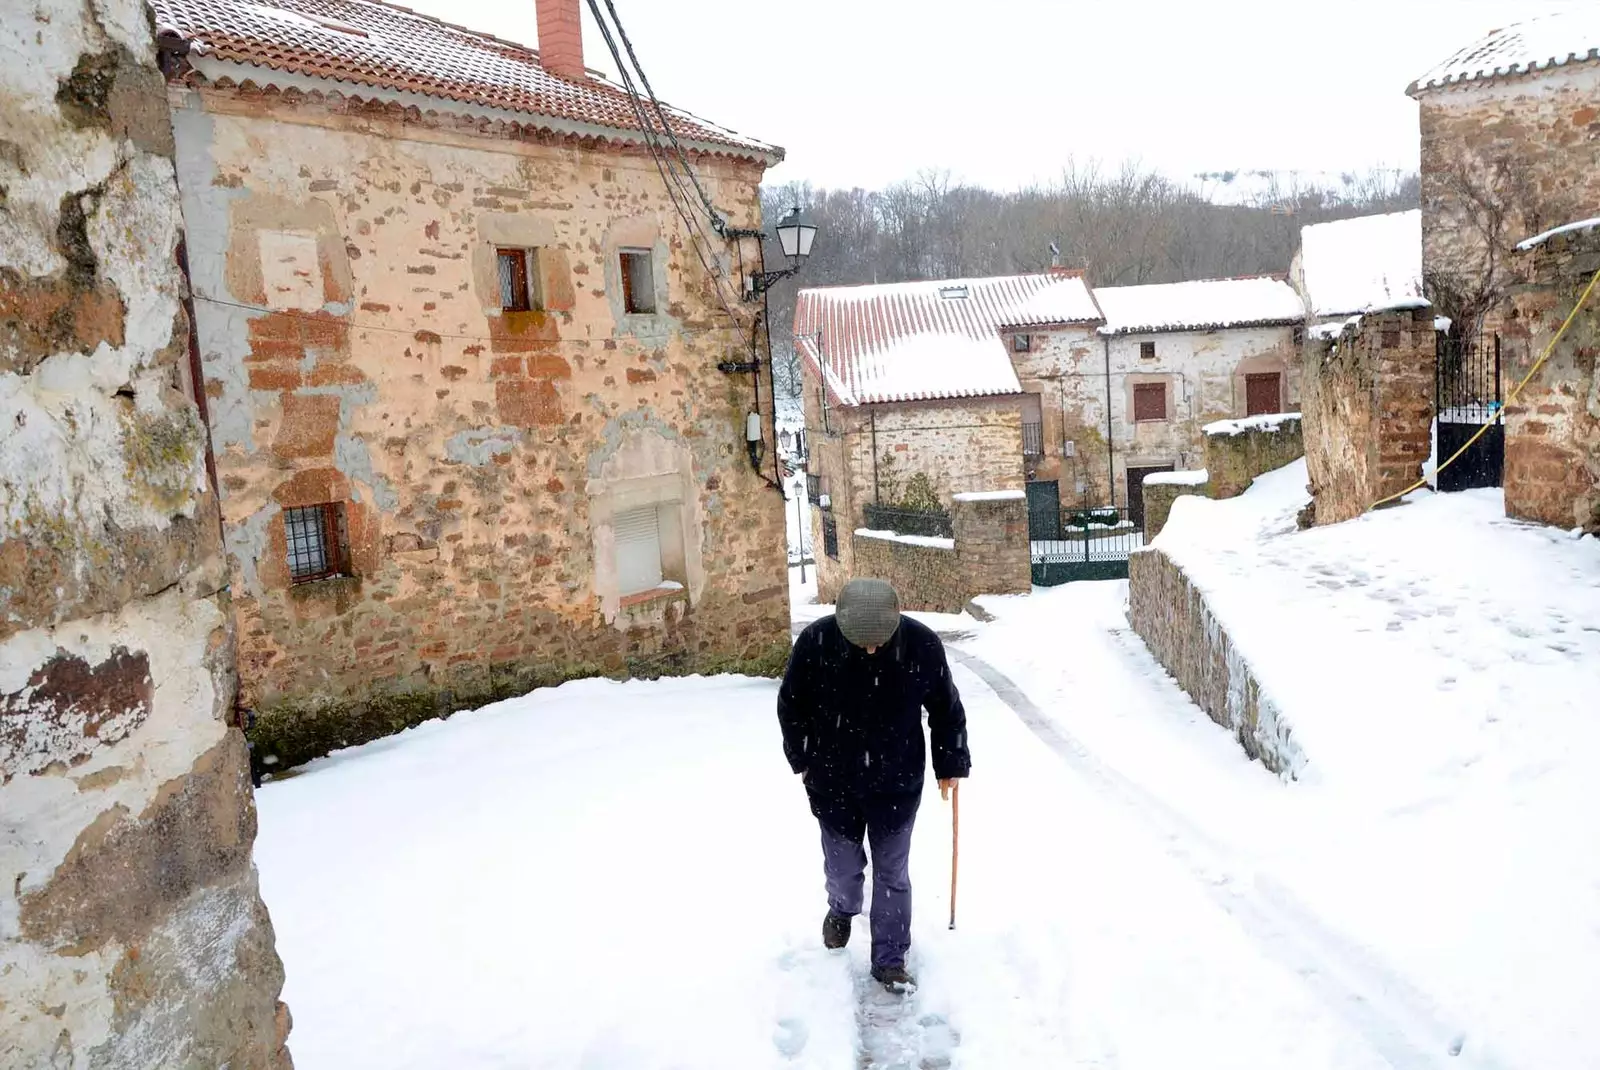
pixel 1149 401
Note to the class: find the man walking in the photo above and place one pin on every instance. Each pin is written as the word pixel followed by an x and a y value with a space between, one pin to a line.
pixel 851 712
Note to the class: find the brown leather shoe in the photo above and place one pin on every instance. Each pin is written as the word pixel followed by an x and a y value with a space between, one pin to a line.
pixel 835 931
pixel 894 978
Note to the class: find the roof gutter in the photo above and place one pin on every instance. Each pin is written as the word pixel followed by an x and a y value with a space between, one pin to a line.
pixel 214 70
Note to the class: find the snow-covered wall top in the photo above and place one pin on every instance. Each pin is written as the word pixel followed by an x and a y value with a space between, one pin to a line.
pixel 1264 422
pixel 989 496
pixel 1365 264
pixel 1201 304
pixel 1538 43
pixel 908 540
pixel 1194 478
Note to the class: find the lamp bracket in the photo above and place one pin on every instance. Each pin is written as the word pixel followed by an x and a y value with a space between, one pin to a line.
pixel 735 367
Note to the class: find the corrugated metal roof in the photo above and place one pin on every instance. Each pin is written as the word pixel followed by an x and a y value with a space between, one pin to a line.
pixel 919 341
pixel 1203 304
pixel 1538 43
pixel 364 43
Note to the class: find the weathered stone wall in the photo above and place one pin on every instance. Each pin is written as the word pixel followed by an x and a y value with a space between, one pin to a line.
pixel 1368 411
pixel 989 555
pixel 1552 460
pixel 131 930
pixel 1527 142
pixel 1171 616
pixel 1158 499
pixel 1234 457
pixel 355 352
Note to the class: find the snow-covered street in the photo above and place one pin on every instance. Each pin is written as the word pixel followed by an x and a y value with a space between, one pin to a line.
pixel 615 876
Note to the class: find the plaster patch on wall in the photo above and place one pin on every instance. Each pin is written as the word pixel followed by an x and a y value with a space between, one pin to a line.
pixel 480 446
pixel 351 456
pixel 246 541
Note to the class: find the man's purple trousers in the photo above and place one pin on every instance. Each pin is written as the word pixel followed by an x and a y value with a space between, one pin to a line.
pixel 885 825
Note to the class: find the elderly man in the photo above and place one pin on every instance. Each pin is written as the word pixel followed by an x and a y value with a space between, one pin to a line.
pixel 851 712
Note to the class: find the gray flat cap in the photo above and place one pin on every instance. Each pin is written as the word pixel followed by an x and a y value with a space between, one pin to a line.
pixel 868 612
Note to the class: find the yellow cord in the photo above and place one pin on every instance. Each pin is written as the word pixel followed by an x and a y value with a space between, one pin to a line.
pixel 1511 397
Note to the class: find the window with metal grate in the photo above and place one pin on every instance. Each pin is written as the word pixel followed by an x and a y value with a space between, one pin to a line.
pixel 317 542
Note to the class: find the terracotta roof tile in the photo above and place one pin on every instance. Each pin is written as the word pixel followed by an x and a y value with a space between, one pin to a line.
pixel 385 46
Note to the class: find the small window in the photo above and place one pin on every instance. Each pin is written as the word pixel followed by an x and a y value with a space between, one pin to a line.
pixel 519 280
pixel 1021 343
pixel 1149 402
pixel 830 536
pixel 638 534
pixel 1147 351
pixel 317 544
pixel 638 281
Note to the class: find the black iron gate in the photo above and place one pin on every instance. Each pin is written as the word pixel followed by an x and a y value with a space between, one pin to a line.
pixel 1466 397
pixel 1091 543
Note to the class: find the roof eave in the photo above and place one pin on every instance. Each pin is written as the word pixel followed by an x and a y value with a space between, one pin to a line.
pixel 1429 84
pixel 215 70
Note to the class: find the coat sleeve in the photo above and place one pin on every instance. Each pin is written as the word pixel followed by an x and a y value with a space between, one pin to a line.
pixel 947 720
pixel 797 709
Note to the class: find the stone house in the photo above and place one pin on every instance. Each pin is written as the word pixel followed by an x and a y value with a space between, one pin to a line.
pixel 132 931
pixel 909 391
pixel 1031 382
pixel 1175 357
pixel 1510 126
pixel 460 353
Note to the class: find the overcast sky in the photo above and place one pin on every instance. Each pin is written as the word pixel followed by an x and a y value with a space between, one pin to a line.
pixel 1004 92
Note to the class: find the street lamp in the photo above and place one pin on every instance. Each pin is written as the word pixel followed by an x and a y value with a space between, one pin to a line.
pixel 795 233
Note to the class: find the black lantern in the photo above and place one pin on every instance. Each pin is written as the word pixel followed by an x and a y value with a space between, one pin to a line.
pixel 795 234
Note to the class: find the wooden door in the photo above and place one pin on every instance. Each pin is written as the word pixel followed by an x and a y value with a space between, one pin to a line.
pixel 1263 394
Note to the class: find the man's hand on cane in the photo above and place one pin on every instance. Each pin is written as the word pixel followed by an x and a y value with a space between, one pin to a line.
pixel 945 786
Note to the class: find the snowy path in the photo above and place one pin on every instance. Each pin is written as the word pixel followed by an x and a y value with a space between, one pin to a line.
pixel 612 877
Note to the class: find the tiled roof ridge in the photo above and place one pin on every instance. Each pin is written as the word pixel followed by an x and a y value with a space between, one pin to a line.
pixel 1481 51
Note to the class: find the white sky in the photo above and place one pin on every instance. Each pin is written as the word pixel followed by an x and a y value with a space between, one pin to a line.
pixel 1003 92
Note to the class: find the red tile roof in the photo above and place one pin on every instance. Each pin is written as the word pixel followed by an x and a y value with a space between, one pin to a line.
pixel 1539 43
pixel 920 341
pixel 384 46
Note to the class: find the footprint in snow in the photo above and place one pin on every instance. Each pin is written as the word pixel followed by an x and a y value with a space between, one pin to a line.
pixel 790 1037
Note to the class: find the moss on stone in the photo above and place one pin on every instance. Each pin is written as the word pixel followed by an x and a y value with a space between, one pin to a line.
pixel 160 451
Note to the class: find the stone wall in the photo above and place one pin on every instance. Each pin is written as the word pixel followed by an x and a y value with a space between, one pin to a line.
pixel 1552 460
pixel 1236 453
pixel 356 354
pixel 1367 401
pixel 989 555
pixel 131 930
pixel 1158 500
pixel 1523 143
pixel 1171 616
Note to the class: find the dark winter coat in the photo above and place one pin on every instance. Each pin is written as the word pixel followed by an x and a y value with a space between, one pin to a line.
pixel 852 721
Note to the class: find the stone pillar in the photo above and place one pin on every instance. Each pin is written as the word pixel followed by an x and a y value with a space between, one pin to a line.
pixel 131 930
pixel 1407 354
pixel 991 535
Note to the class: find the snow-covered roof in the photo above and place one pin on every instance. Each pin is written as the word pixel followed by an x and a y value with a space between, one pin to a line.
pixel 918 341
pixel 1534 44
pixel 1365 264
pixel 1200 305
pixel 356 43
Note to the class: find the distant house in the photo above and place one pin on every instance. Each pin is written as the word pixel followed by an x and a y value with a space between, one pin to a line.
pixel 1509 127
pixel 917 391
pixel 1352 266
pixel 911 396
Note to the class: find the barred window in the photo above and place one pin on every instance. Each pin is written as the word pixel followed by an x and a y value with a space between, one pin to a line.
pixel 1147 351
pixel 318 547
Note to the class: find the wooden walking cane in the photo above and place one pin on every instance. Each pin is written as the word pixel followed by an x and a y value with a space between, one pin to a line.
pixel 955 845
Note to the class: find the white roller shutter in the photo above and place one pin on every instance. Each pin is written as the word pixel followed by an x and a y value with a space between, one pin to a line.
pixel 638 550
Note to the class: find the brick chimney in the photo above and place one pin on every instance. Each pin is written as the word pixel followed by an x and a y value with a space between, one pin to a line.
pixel 560 37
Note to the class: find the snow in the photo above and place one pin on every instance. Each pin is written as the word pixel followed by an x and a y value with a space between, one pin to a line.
pixel 1367 264
pixel 909 540
pixel 1264 422
pixel 1065 298
pixel 1442 323
pixel 1541 42
pixel 1202 304
pixel 990 496
pixel 609 876
pixel 1329 331
pixel 1539 239
pixel 1183 479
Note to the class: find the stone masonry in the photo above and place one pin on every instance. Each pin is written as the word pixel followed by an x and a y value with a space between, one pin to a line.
pixel 989 555
pixel 1368 399
pixel 131 930
pixel 1233 460
pixel 356 353
pixel 1552 469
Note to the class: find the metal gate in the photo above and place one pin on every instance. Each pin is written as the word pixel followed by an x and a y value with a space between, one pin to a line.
pixel 1090 544
pixel 1044 509
pixel 1466 397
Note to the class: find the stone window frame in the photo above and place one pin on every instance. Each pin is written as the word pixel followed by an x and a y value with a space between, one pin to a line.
pixel 636 264
pixel 665 494
pixel 1150 390
pixel 328 535
pixel 532 288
